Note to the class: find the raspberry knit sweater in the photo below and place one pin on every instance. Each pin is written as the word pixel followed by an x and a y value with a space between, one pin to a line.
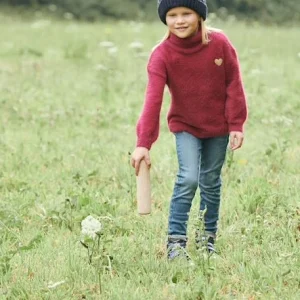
pixel 207 94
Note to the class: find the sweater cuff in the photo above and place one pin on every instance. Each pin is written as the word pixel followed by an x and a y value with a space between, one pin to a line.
pixel 235 127
pixel 144 143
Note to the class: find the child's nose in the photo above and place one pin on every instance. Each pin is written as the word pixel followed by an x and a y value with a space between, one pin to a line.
pixel 180 20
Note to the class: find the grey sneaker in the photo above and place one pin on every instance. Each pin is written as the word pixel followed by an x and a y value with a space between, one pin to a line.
pixel 205 241
pixel 176 248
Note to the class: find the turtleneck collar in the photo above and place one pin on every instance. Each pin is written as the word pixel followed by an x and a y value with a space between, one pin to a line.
pixel 188 42
pixel 187 45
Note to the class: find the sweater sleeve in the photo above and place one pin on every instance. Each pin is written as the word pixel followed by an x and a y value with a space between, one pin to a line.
pixel 236 106
pixel 148 124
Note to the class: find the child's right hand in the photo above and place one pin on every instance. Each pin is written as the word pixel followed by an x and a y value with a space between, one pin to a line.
pixel 137 156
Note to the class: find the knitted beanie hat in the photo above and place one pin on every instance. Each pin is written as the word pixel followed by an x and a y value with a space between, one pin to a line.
pixel 199 6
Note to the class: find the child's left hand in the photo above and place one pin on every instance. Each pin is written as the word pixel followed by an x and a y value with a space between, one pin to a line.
pixel 236 139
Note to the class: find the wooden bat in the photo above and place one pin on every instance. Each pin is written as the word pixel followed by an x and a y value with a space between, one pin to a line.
pixel 143 189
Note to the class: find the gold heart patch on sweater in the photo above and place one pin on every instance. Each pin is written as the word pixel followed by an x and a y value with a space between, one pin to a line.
pixel 218 61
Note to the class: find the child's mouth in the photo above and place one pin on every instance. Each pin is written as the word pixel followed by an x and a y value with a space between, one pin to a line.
pixel 181 28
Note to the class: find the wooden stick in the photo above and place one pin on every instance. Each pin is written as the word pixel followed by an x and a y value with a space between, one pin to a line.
pixel 143 189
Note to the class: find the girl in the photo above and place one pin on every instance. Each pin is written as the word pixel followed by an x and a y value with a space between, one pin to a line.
pixel 208 109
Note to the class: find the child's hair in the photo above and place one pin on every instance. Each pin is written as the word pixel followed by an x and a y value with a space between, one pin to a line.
pixel 206 30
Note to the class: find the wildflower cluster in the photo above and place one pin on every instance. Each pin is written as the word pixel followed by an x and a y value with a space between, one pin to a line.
pixel 90 227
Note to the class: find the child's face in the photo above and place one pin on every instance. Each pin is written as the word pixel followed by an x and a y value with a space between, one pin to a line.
pixel 182 21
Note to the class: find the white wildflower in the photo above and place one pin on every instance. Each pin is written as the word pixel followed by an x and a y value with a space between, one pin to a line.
pixel 100 67
pixel 299 54
pixel 143 54
pixel 90 227
pixel 279 120
pixel 231 18
pixel 255 72
pixel 106 44
pixel 254 51
pixel 52 7
pixel 284 120
pixel 112 50
pixel 40 24
pixel 8 45
pixel 52 285
pixel 136 45
pixel 136 26
pixel 274 90
pixel 213 16
pixel 72 27
pixel 68 16
pixel 53 53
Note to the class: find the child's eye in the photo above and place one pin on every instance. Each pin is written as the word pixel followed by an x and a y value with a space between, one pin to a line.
pixel 171 15
pixel 186 14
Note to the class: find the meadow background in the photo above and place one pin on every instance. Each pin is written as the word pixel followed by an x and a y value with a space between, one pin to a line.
pixel 70 96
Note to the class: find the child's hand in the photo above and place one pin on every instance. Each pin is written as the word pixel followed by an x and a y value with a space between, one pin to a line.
pixel 236 139
pixel 137 156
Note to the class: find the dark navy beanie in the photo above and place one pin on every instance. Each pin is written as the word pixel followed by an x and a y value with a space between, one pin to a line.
pixel 199 6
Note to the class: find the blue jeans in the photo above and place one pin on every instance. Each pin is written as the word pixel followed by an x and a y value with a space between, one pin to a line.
pixel 200 164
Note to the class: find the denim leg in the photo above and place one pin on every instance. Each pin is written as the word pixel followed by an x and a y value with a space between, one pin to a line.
pixel 212 160
pixel 188 154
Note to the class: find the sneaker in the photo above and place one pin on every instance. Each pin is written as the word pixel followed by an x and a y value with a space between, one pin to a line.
pixel 205 242
pixel 211 245
pixel 177 249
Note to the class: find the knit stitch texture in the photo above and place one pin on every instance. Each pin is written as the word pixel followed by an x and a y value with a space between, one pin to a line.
pixel 207 93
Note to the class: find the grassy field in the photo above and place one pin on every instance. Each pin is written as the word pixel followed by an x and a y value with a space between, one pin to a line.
pixel 70 96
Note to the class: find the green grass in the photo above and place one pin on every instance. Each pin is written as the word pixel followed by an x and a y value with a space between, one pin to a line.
pixel 68 113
